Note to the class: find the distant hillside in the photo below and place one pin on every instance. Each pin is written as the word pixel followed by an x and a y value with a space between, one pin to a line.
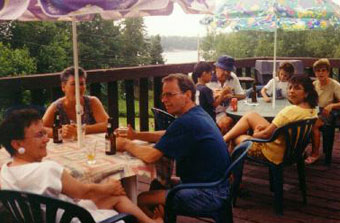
pixel 170 43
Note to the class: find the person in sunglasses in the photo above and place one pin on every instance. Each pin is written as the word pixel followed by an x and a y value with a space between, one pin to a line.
pixel 328 90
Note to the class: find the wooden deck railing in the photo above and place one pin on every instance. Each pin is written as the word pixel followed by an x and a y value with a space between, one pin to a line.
pixel 141 76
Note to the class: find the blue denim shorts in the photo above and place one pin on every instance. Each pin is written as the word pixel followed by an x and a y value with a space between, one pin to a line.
pixel 328 120
pixel 200 201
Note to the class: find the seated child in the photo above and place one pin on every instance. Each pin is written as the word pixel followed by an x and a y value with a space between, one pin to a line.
pixel 286 70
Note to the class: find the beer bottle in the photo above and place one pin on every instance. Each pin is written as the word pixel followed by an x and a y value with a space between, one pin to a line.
pixel 253 96
pixel 57 136
pixel 110 139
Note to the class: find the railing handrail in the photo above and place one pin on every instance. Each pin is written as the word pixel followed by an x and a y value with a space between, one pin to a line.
pixel 46 87
pixel 136 72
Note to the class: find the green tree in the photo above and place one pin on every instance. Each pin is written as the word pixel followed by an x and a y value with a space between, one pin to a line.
pixel 156 50
pixel 241 44
pixel 135 47
pixel 48 42
pixel 99 44
pixel 207 46
pixel 15 62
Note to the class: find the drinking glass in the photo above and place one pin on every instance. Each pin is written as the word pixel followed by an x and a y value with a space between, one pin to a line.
pixel 83 130
pixel 91 152
pixel 122 131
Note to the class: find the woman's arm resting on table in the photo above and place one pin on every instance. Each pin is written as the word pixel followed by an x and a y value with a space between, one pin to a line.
pixel 48 119
pixel 146 153
pixel 264 133
pixel 75 189
pixel 100 116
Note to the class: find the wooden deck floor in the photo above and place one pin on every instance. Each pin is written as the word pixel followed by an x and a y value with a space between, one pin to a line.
pixel 323 194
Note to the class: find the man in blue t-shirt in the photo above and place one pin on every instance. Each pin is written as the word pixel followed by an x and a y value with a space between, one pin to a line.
pixel 193 140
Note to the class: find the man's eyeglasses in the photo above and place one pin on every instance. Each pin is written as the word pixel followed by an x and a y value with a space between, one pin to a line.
pixel 321 70
pixel 168 95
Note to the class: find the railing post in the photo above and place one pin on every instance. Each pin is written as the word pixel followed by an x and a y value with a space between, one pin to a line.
pixel 95 90
pixel 57 93
pixel 143 104
pixel 130 103
pixel 157 91
pixel 248 74
pixel 112 97
pixel 37 96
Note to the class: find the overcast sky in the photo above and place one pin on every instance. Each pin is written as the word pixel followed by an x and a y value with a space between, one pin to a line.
pixel 176 24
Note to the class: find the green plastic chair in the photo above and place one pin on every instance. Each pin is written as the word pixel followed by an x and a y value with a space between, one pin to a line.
pixel 34 208
pixel 224 213
pixel 297 135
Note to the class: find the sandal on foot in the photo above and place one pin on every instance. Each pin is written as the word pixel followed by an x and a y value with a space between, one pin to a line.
pixel 311 159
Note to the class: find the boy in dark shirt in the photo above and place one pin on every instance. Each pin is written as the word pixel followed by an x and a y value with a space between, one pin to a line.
pixel 203 71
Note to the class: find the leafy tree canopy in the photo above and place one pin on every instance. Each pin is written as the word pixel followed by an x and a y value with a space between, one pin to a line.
pixel 101 44
pixel 243 44
pixel 15 62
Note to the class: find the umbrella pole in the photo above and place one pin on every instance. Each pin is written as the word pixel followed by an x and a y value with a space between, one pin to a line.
pixel 274 67
pixel 198 48
pixel 76 77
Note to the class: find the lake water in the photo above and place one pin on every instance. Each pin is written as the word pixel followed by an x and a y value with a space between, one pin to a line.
pixel 186 56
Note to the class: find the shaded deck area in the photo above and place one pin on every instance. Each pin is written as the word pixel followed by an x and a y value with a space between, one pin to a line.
pixel 323 194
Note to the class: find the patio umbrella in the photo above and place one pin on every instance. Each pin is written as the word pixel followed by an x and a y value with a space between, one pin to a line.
pixel 82 10
pixel 270 15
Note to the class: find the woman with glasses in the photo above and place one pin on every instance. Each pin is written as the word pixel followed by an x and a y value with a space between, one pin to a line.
pixel 328 90
pixel 93 112
pixel 303 97
pixel 25 139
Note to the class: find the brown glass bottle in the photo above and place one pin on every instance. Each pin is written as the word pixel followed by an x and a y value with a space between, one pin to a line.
pixel 110 139
pixel 57 136
pixel 253 94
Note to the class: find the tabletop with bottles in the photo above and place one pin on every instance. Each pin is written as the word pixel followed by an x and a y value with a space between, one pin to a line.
pixel 74 159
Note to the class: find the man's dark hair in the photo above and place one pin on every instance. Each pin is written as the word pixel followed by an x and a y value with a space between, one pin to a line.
pixel 65 75
pixel 288 68
pixel 307 84
pixel 184 83
pixel 199 68
pixel 13 127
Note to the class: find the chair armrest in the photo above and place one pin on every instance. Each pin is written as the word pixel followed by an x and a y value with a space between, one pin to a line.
pixel 122 216
pixel 174 190
pixel 271 139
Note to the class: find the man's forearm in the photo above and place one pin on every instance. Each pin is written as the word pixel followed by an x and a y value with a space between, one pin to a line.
pixel 146 153
pixel 149 136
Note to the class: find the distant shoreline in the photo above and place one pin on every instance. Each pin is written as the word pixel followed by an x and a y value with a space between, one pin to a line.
pixel 180 56
pixel 178 50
